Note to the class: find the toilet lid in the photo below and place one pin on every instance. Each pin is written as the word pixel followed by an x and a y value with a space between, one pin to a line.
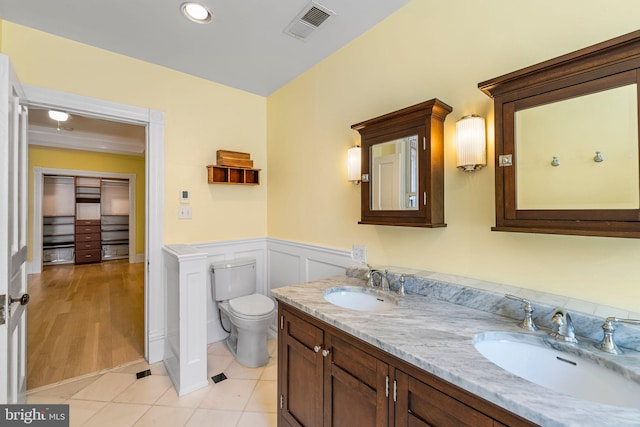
pixel 252 305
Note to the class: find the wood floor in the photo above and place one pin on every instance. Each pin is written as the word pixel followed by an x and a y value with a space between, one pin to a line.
pixel 83 318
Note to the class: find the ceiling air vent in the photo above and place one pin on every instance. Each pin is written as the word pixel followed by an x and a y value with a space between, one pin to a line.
pixel 308 20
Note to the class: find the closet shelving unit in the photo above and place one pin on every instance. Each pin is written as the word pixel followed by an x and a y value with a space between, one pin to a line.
pixel 58 222
pixel 85 219
pixel 115 219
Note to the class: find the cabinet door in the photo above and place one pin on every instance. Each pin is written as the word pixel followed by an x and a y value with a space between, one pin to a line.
pixel 356 391
pixel 420 405
pixel 300 369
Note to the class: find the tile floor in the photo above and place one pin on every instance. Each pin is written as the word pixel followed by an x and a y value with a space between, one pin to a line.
pixel 116 398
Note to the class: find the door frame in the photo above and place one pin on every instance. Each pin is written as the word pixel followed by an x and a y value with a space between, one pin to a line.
pixel 153 120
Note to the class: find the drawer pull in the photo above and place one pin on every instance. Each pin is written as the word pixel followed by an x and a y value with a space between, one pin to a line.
pixel 317 348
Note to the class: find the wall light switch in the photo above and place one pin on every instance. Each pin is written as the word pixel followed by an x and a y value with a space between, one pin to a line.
pixel 184 212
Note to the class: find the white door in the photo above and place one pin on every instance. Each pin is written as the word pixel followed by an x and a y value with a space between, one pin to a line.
pixel 385 186
pixel 13 237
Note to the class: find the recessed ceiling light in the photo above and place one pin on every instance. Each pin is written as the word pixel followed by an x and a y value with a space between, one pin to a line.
pixel 59 116
pixel 196 12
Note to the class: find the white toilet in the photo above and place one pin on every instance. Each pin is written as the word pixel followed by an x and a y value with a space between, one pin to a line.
pixel 233 285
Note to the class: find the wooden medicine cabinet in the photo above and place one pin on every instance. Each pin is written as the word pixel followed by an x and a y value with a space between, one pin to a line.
pixel 567 146
pixel 402 166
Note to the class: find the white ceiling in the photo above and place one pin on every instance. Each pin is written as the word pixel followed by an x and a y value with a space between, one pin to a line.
pixel 85 133
pixel 244 47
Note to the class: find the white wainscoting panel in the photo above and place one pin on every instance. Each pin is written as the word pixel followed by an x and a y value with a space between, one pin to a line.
pixel 228 251
pixel 278 263
pixel 292 262
pixel 185 351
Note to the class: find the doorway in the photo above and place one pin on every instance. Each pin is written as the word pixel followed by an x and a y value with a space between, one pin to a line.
pixel 86 311
pixel 153 121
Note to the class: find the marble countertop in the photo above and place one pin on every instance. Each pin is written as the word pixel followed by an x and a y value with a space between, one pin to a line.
pixel 437 336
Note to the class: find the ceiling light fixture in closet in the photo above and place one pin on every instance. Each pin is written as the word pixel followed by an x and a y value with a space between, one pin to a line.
pixel 58 116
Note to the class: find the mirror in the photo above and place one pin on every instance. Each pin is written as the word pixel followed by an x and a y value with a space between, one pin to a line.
pixel 394 174
pixel 403 166
pixel 567 143
pixel 572 132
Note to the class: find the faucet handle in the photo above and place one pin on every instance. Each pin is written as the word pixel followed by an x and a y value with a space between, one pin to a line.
pixel 617 320
pixel 608 344
pixel 527 323
pixel 401 279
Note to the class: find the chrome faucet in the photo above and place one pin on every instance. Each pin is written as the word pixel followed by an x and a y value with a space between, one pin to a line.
pixel 562 326
pixel 382 278
pixel 608 344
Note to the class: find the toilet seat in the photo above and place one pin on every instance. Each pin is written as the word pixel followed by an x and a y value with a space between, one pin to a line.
pixel 253 305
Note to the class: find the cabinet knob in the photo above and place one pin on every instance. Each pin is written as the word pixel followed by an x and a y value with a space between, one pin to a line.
pixel 325 353
pixel 317 348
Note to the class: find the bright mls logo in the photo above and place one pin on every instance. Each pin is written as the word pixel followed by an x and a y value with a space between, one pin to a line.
pixel 34 415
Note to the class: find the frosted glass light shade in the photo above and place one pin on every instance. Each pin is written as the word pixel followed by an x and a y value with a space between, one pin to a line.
pixel 59 116
pixel 353 164
pixel 471 143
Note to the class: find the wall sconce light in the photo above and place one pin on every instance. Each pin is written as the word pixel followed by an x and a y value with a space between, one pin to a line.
pixel 471 143
pixel 353 164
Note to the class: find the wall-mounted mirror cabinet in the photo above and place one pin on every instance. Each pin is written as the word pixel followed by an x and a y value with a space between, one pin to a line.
pixel 403 166
pixel 567 143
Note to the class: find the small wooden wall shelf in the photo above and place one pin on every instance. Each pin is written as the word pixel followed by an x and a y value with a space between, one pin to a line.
pixel 233 175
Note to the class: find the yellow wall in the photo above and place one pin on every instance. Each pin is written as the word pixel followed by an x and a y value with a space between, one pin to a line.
pixel 47 157
pixel 427 49
pixel 442 50
pixel 200 118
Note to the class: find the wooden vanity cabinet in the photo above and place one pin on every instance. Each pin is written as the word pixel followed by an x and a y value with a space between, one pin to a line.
pixel 328 378
pixel 327 381
pixel 356 386
pixel 300 372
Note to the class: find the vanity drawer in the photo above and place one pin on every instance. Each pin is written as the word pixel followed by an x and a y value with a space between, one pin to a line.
pixel 93 255
pixel 81 229
pixel 422 405
pixel 355 362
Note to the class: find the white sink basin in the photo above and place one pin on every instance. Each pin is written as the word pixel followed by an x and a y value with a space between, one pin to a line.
pixel 361 299
pixel 529 357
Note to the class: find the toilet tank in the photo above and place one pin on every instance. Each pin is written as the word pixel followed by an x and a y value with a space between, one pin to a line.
pixel 233 279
